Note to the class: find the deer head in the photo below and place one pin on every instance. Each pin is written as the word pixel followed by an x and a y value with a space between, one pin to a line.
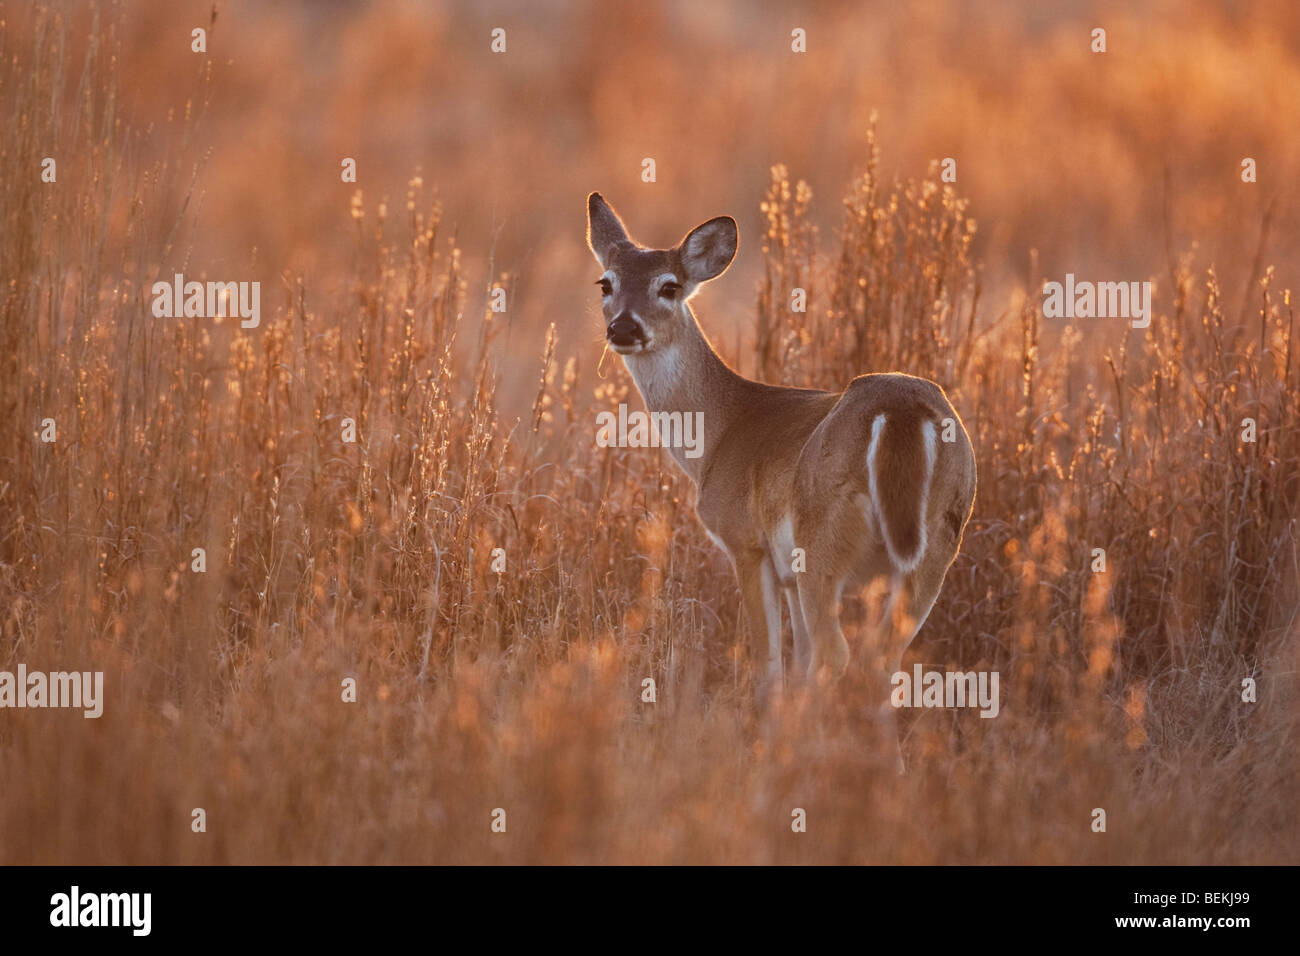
pixel 644 292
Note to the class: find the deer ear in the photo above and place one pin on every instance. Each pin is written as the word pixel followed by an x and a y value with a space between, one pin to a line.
pixel 709 248
pixel 604 229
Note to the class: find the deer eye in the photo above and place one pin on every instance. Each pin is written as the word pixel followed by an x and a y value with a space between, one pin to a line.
pixel 670 290
pixel 605 287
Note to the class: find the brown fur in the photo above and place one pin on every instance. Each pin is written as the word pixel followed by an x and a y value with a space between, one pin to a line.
pixel 902 469
pixel 786 467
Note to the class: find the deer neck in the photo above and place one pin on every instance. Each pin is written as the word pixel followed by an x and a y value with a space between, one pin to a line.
pixel 688 378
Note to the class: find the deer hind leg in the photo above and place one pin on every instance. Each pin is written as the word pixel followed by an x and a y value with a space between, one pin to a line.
pixel 819 599
pixel 781 551
pixel 802 639
pixel 905 609
pixel 759 592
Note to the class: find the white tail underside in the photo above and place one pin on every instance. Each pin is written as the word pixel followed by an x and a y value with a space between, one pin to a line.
pixel 928 436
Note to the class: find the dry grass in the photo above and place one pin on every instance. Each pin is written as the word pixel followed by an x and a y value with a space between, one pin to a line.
pixel 522 689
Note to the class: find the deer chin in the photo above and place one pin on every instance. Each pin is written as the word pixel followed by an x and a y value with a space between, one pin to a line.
pixel 636 348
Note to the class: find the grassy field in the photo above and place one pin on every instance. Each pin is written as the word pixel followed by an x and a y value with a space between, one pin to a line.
pixel 520 688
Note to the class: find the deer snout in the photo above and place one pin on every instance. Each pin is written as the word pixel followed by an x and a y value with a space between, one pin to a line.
pixel 625 331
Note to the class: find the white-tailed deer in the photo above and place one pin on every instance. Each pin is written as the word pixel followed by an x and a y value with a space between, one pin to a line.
pixel 874 482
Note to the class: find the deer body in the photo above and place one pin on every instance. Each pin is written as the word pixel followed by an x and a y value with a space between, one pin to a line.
pixel 860 480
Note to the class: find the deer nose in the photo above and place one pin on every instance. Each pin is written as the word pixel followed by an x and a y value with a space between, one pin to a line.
pixel 625 331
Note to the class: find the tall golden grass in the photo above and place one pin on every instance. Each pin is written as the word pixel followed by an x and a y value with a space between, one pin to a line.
pixel 522 689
